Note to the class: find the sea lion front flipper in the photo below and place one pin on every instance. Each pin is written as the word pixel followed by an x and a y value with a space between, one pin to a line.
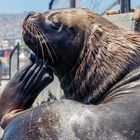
pixel 23 88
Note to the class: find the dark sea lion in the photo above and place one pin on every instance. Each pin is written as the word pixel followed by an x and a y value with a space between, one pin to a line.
pixel 87 52
pixel 98 65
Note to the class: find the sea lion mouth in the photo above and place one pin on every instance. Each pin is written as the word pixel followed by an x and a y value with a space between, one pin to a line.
pixel 34 37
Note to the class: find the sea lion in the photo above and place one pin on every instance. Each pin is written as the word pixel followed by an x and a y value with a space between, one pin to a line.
pixel 98 66
pixel 89 57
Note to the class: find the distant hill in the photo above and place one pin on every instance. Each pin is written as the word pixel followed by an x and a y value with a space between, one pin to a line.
pixel 11 25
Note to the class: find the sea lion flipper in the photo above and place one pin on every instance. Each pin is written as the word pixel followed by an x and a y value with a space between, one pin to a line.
pixel 24 87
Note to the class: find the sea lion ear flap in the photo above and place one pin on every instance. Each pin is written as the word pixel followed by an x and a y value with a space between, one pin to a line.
pixel 94 36
pixel 97 31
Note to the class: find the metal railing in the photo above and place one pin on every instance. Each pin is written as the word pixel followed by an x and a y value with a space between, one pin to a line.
pixel 10 59
pixel 16 66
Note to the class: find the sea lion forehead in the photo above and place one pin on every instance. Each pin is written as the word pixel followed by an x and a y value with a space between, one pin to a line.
pixel 79 17
pixel 69 17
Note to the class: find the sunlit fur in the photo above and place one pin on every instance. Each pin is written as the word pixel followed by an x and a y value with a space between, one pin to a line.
pixel 107 54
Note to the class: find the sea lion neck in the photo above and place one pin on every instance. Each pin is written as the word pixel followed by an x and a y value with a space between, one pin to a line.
pixel 99 70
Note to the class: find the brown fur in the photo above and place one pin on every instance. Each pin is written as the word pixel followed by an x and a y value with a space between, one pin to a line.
pixel 106 55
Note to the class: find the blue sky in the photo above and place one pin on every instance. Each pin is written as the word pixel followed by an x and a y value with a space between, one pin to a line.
pixel 20 6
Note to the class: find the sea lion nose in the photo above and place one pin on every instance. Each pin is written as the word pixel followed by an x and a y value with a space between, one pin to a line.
pixel 31 15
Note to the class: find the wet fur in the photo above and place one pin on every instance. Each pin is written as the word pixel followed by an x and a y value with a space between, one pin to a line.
pixel 104 60
pixel 107 54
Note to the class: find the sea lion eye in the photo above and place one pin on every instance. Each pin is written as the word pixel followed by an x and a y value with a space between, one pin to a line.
pixel 56 25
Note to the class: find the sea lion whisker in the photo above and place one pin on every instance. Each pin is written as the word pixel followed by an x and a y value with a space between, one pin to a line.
pixel 52 50
pixel 41 47
pixel 40 36
pixel 50 46
pixel 42 32
pixel 36 34
pixel 32 32
pixel 49 52
pixel 45 39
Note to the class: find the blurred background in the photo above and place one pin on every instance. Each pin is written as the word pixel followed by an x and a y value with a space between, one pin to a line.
pixel 13 51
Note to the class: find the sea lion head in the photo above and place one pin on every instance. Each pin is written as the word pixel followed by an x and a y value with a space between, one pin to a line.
pixel 55 38
pixel 58 35
pixel 88 53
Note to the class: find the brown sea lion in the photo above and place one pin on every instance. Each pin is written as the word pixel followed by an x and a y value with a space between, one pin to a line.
pixel 87 52
pixel 97 64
